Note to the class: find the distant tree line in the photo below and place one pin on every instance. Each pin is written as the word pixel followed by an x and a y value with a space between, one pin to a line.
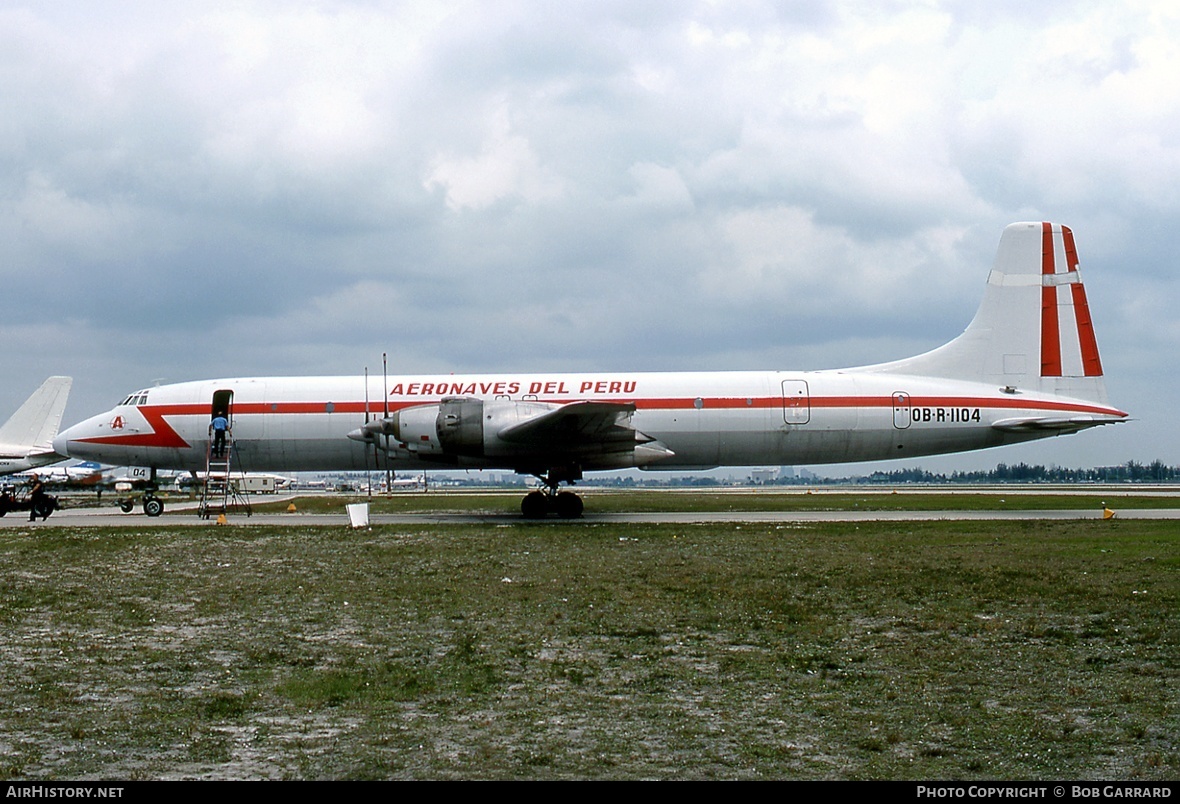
pixel 1129 472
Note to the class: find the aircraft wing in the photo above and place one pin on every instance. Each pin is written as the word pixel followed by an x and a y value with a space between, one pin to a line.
pixel 578 424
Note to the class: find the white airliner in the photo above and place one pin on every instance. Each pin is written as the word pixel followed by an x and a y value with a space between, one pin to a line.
pixel 1026 367
pixel 26 439
pixel 86 473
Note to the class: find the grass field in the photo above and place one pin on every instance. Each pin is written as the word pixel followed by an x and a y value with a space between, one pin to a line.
pixel 1023 650
pixel 601 501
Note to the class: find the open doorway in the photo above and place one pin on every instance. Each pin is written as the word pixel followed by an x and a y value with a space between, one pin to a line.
pixel 223 405
pixel 221 423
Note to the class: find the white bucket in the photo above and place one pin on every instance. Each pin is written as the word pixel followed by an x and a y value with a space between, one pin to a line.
pixel 358 515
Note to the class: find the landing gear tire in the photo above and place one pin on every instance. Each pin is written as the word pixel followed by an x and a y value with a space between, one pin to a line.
pixel 568 505
pixel 535 505
pixel 538 505
pixel 153 506
pixel 126 506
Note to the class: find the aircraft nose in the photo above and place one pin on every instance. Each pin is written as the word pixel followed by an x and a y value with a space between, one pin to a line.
pixel 70 442
pixel 62 442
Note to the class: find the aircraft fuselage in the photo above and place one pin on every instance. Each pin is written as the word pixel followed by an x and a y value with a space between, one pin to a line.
pixel 700 419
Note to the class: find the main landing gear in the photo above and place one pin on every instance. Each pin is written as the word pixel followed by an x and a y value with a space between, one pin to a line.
pixel 537 504
pixel 541 503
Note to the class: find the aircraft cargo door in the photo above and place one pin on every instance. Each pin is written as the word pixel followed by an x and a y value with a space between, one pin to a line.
pixel 796 402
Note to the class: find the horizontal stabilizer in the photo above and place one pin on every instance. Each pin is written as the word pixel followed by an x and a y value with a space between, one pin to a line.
pixel 1062 424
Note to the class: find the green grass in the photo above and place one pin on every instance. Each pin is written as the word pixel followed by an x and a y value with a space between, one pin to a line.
pixel 1023 650
pixel 661 501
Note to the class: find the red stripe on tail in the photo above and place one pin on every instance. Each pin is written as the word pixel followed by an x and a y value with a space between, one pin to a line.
pixel 1091 364
pixel 1050 331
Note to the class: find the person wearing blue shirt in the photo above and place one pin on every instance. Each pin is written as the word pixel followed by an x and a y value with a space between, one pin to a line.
pixel 218 428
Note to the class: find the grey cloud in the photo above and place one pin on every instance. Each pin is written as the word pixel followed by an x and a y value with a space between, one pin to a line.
pixel 602 185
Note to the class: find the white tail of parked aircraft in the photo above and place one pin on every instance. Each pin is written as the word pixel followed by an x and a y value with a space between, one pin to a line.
pixel 26 439
pixel 1032 330
pixel 1026 367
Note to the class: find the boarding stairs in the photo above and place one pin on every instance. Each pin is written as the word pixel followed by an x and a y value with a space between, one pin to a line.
pixel 219 492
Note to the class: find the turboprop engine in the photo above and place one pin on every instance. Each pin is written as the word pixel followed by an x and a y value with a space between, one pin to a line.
pixel 461 426
pixel 473 432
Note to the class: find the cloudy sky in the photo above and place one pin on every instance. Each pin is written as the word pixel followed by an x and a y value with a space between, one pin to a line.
pixel 193 190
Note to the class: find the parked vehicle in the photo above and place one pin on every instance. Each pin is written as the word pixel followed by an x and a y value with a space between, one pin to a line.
pixel 10 501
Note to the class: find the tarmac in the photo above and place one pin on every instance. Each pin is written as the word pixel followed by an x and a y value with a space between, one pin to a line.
pixel 184 514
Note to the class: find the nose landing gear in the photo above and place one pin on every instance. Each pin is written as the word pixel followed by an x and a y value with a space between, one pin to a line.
pixel 145 481
pixel 153 506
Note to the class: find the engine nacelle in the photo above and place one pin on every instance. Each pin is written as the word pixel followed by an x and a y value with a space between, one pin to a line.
pixel 462 426
pixel 417 428
pixel 468 426
pixel 465 431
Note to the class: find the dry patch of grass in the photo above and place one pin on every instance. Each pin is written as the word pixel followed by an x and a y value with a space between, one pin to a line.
pixel 603 501
pixel 916 650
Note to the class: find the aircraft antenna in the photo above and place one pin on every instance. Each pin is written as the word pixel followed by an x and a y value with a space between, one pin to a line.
pixel 368 474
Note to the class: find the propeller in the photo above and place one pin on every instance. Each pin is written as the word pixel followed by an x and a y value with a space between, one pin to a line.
pixel 374 428
pixel 368 476
pixel 385 397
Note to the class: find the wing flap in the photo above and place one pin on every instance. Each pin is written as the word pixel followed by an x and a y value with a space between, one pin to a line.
pixel 578 424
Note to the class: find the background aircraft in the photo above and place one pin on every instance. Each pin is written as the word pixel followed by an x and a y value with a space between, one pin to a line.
pixel 26 439
pixel 249 482
pixel 1026 367
pixel 83 474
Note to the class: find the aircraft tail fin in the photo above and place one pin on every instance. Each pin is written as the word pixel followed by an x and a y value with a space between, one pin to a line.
pixel 32 428
pixel 1033 330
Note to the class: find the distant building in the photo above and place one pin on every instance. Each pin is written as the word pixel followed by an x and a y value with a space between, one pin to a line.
pixel 760 477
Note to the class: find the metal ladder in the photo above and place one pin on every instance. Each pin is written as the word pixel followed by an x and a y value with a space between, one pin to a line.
pixel 218 489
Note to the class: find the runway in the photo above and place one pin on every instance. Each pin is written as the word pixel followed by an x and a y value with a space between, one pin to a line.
pixel 106 518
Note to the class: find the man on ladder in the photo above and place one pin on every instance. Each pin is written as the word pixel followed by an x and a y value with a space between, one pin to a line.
pixel 218 428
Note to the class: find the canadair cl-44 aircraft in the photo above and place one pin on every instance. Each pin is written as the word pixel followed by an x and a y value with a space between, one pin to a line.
pixel 1026 367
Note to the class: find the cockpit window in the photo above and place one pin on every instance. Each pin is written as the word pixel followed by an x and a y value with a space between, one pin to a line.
pixel 137 399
